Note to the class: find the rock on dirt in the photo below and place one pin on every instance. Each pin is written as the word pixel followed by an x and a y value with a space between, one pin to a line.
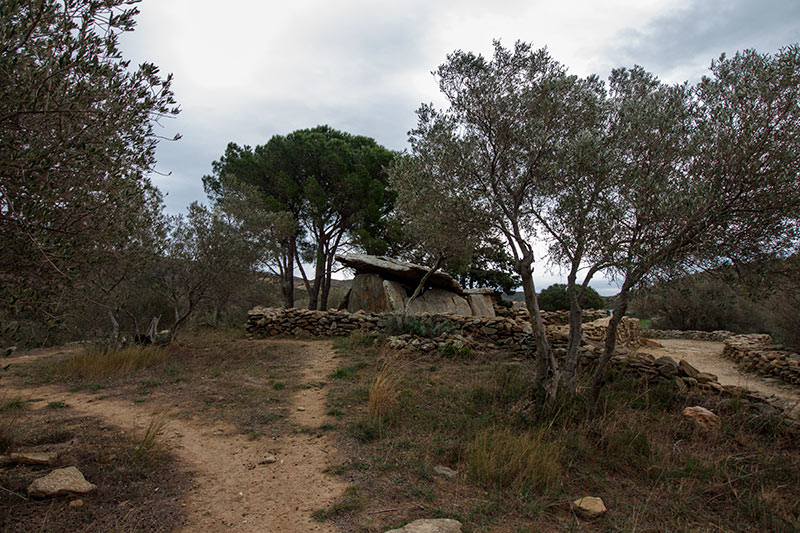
pixel 702 417
pixel 61 481
pixel 443 471
pixel 589 507
pixel 440 525
pixel 33 458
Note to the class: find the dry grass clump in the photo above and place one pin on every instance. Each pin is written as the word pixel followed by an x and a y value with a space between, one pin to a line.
pixel 152 442
pixel 501 457
pixel 382 393
pixel 97 362
pixel 9 422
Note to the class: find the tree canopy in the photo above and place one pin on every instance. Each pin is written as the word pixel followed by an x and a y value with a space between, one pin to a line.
pixel 331 182
pixel 555 298
pixel 76 145
pixel 639 179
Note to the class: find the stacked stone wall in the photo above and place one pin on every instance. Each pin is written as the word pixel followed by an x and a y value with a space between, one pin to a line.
pixel 495 331
pixel 475 332
pixel 715 336
pixel 756 353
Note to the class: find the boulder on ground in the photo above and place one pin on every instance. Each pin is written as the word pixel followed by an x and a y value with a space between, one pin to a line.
pixel 702 417
pixel 440 525
pixel 61 481
pixel 589 507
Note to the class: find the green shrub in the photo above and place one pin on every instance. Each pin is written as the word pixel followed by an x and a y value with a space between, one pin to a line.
pixel 454 352
pixel 425 326
pixel 554 298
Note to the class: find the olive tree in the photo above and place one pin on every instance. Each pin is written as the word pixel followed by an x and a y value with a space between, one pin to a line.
pixel 710 172
pixel 506 126
pixel 77 142
pixel 438 219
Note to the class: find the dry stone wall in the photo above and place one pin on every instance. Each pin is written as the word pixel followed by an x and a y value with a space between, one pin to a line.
pixel 715 336
pixel 487 331
pixel 752 352
pixel 756 353
pixel 475 332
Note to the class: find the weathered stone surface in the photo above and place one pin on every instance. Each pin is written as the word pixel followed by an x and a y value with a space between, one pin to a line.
pixel 61 481
pixel 31 458
pixel 667 366
pixel 441 525
pixel 444 471
pixel 392 269
pixel 702 417
pixel 687 369
pixel 440 302
pixel 368 294
pixel 589 507
pixel 705 377
pixel 481 304
pixel 395 295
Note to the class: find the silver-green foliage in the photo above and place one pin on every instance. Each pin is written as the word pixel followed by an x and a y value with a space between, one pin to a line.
pixel 76 143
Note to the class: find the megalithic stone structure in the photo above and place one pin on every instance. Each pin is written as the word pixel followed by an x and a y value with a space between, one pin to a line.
pixel 383 285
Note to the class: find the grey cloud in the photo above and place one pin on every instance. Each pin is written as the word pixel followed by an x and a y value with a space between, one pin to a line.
pixel 685 41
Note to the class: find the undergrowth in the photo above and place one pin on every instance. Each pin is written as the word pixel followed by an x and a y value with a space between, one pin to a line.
pixel 521 462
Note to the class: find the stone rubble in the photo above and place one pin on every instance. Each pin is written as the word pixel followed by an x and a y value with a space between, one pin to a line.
pixel 500 331
pixel 715 336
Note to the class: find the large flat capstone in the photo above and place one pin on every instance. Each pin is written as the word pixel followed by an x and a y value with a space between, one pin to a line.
pixel 395 270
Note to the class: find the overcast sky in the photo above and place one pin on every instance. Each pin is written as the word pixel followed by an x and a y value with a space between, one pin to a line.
pixel 246 70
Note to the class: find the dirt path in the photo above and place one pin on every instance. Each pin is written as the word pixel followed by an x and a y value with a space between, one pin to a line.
pixel 706 356
pixel 235 488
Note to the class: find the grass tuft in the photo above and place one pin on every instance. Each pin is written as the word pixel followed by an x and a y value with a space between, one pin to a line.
pixel 152 443
pixel 499 457
pixel 14 404
pixel 382 394
pixel 98 363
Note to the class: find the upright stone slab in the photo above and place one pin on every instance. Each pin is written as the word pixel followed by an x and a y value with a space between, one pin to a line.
pixel 368 295
pixel 440 302
pixel 480 301
pixel 395 295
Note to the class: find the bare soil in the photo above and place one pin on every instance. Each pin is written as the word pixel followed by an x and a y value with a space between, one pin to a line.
pixel 706 356
pixel 235 487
